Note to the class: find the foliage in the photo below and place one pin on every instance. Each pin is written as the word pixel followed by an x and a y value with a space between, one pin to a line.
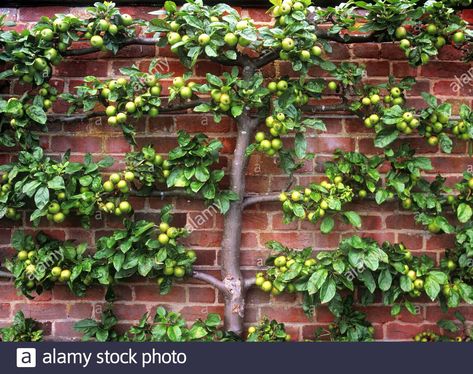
pixel 42 261
pixel 32 53
pixel 268 331
pixel 458 327
pixel 21 330
pixel 135 96
pixel 190 165
pixel 142 248
pixel 422 30
pixel 146 249
pixel 54 188
pixel 165 327
pixel 364 265
pixel 361 175
pixel 20 115
pixel 349 326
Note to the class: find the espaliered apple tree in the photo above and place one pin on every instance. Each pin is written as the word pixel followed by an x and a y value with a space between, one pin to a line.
pixel 287 110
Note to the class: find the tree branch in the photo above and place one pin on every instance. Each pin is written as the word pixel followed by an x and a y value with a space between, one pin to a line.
pixel 5 274
pixel 227 62
pixel 210 279
pixel 182 106
pixel 167 109
pixel 266 58
pixel 135 41
pixel 349 39
pixel 263 198
pixel 249 282
pixel 170 193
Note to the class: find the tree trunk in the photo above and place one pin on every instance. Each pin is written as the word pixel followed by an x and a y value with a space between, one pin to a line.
pixel 232 276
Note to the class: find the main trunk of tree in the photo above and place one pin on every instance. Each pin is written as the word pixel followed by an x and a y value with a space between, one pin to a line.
pixel 231 242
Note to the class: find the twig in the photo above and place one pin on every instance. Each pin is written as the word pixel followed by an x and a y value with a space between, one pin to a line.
pixel 210 279
pixel 135 41
pixel 170 193
pixel 249 282
pixel 266 59
pixel 4 274
pixel 167 109
pixel 262 198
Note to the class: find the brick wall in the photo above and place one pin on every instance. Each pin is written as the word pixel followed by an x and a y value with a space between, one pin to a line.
pixel 58 309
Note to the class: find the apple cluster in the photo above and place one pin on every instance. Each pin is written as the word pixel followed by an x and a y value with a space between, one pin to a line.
pixel 436 33
pixel 268 331
pixel 314 202
pixel 6 186
pixel 116 186
pixel 120 105
pixel 98 29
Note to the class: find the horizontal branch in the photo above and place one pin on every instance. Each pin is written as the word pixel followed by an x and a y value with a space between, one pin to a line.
pixel 239 61
pixel 262 198
pixel 266 59
pixel 249 282
pixel 210 279
pixel 83 116
pixel 182 106
pixel 133 41
pixel 341 107
pixel 348 38
pixel 170 193
pixel 5 274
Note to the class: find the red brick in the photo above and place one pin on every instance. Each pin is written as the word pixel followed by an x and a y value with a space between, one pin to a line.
pixel 369 50
pixel 42 311
pixel 330 144
pixel 71 68
pixel 76 144
pixel 288 314
pixel 377 68
pixel 201 295
pixel 151 293
pixel 444 69
pixel 405 331
pixel 35 13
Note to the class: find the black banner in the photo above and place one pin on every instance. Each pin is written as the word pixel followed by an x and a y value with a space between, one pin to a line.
pixel 228 358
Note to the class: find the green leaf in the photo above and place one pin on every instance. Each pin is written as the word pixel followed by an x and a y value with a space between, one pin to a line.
pixel 57 183
pixel 327 225
pixel 385 280
pixel 145 264
pixel 29 188
pixel 213 320
pixel 316 281
pixel 118 260
pixel 410 307
pixel 300 146
pixel 197 332
pixel 464 212
pixel 37 114
pixel 202 173
pixel 328 291
pixel 432 287
pixel 448 325
pixel 353 218
pixel 395 309
pixel 406 284
pixel 386 137
pixel 367 278
pixel 41 198
pixel 439 276
pixel 174 333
